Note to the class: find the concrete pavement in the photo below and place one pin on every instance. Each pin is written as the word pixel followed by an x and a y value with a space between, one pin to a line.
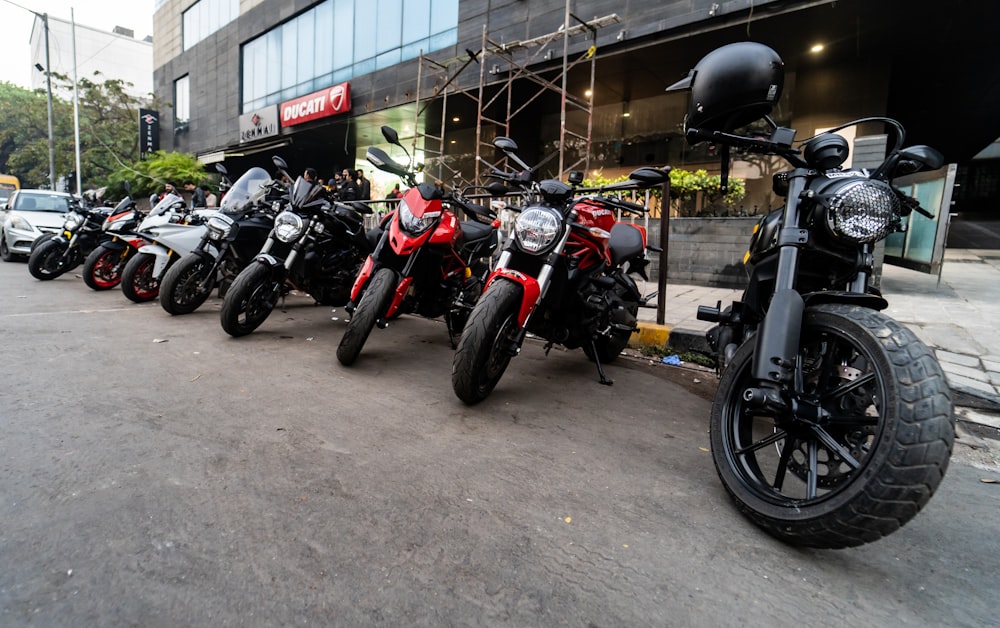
pixel 958 315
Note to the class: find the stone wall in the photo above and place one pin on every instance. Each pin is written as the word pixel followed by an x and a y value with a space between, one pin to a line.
pixel 705 251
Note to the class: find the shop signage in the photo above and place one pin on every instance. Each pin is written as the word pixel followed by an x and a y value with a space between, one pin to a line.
pixel 324 103
pixel 259 123
pixel 149 132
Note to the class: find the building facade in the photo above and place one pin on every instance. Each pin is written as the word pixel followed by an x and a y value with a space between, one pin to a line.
pixel 313 80
pixel 100 55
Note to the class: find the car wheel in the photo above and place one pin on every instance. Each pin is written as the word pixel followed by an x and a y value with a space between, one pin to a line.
pixel 4 249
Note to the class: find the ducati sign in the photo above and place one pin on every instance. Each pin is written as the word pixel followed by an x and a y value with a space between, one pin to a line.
pixel 324 103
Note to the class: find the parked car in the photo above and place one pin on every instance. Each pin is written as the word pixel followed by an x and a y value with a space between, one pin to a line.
pixel 27 215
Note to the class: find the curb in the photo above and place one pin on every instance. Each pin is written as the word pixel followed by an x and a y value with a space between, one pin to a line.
pixel 650 334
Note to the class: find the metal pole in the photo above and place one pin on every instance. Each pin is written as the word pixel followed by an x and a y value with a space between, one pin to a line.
pixel 48 79
pixel 76 109
pixel 565 71
pixel 661 295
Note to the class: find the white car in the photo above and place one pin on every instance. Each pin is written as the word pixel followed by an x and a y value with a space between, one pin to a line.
pixel 27 215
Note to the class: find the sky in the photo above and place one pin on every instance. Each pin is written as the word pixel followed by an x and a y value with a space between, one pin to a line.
pixel 15 47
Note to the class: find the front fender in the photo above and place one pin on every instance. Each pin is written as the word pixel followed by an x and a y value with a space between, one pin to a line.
pixel 530 290
pixel 162 255
pixel 870 301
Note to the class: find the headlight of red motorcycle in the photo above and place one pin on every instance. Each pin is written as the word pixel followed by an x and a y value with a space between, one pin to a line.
pixel 861 210
pixel 413 225
pixel 537 228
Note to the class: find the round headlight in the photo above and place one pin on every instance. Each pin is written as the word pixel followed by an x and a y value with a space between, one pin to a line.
pixel 411 223
pixel 537 228
pixel 73 222
pixel 287 226
pixel 219 226
pixel 862 211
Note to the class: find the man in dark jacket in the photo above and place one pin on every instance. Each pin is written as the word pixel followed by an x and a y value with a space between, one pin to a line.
pixel 197 195
pixel 364 187
pixel 349 189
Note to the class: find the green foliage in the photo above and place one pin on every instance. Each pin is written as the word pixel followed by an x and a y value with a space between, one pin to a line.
pixel 150 175
pixel 685 186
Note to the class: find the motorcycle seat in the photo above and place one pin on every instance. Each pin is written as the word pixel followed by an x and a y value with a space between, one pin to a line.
pixel 472 230
pixel 625 243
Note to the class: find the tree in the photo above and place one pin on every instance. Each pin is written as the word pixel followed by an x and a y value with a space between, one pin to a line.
pixel 24 135
pixel 148 176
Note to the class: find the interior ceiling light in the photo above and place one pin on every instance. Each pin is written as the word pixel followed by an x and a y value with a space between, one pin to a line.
pixel 588 93
pixel 816 48
pixel 456 119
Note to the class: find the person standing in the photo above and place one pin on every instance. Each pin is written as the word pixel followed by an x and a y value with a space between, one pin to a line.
pixel 349 190
pixel 197 195
pixel 211 200
pixel 364 187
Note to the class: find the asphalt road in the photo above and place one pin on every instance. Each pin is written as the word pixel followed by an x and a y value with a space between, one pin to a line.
pixel 156 472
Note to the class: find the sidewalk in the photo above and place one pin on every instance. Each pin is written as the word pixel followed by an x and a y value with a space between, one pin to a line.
pixel 959 318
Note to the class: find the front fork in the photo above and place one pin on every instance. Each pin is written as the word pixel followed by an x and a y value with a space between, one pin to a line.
pixel 776 343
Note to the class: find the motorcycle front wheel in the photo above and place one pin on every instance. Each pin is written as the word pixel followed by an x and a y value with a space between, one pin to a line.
pixel 102 270
pixel 187 284
pixel 485 349
pixel 138 282
pixel 373 305
pixel 46 260
pixel 249 300
pixel 863 448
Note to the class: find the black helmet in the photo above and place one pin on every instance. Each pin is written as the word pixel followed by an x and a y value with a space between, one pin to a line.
pixel 733 86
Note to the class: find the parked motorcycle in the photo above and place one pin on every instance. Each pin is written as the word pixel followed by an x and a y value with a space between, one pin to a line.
pixel 102 269
pixel 61 252
pixel 832 423
pixel 171 231
pixel 232 239
pixel 427 261
pixel 564 276
pixel 315 246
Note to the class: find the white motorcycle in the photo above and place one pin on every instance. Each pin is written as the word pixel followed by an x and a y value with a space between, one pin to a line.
pixel 171 231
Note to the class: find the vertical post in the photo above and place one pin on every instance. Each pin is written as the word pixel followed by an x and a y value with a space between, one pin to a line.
pixel 661 295
pixel 76 109
pixel 48 79
pixel 565 71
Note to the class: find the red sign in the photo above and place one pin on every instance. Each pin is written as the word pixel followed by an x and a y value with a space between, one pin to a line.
pixel 326 102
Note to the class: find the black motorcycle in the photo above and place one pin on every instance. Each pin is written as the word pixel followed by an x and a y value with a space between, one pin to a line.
pixel 234 237
pixel 52 255
pixel 316 246
pixel 832 423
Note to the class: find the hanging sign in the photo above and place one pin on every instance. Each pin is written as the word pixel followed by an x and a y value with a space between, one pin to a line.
pixel 324 103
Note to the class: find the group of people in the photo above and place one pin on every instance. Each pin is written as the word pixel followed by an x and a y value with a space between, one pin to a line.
pixel 202 196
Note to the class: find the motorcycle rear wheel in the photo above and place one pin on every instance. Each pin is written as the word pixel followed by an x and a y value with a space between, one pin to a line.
pixel 138 283
pixel 249 300
pixel 483 352
pixel 47 262
pixel 102 270
pixel 872 459
pixel 373 305
pixel 183 289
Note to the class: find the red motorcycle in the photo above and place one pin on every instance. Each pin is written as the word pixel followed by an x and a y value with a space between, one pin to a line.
pixel 426 262
pixel 102 269
pixel 563 277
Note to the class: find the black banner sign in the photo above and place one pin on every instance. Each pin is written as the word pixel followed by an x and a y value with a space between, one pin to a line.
pixel 149 132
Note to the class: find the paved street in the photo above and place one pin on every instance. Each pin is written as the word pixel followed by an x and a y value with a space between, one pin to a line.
pixel 156 472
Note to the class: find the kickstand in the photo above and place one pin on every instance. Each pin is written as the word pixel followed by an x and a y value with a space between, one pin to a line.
pixel 284 310
pixel 600 369
pixel 451 332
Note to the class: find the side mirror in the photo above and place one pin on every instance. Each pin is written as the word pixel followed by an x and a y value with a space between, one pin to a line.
pixel 390 134
pixel 927 157
pixel 221 169
pixel 648 177
pixel 496 188
pixel 279 162
pixel 381 160
pixel 505 144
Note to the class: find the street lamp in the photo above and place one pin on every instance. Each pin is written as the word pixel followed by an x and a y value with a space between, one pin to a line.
pixel 48 77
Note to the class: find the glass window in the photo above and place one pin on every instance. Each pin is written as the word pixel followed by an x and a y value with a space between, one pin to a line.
pixel 205 17
pixel 337 40
pixel 182 99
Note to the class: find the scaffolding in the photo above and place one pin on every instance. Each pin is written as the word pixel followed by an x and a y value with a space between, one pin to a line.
pixel 514 59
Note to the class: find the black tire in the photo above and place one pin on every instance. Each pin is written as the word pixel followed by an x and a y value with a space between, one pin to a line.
pixel 47 262
pixel 5 252
pixel 138 282
pixel 890 413
pixel 184 288
pixel 611 346
pixel 102 270
pixel 484 351
pixel 373 305
pixel 45 237
pixel 249 300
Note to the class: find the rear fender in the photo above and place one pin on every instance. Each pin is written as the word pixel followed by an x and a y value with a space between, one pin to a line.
pixel 530 290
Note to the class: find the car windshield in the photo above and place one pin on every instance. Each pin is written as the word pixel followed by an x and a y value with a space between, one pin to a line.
pixel 41 203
